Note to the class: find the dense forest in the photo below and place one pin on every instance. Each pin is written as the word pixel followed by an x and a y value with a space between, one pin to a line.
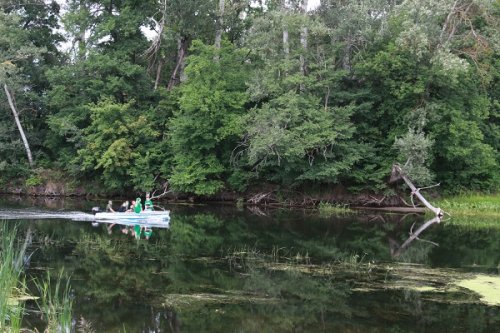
pixel 226 95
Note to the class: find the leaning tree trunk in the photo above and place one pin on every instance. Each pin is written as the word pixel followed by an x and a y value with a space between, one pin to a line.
pixel 19 126
pixel 397 171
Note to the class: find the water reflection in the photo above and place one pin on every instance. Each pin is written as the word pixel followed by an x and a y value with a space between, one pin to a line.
pixel 396 250
pixel 220 269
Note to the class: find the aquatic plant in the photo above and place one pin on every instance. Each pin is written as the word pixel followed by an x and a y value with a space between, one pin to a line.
pixel 487 287
pixel 11 285
pixel 327 209
pixel 243 256
pixel 472 205
pixel 85 326
pixel 55 303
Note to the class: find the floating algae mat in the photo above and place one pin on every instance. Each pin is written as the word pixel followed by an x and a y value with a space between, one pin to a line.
pixel 180 300
pixel 487 286
pixel 440 285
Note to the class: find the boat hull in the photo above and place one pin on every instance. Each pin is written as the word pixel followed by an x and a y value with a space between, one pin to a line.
pixel 146 217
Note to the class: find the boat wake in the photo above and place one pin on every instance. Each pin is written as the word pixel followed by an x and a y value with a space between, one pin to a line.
pixel 24 214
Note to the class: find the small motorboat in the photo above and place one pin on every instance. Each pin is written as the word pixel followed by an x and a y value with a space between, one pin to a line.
pixel 145 217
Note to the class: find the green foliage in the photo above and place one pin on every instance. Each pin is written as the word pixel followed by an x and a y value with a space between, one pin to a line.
pixel 327 209
pixel 33 180
pixel 414 149
pixel 116 142
pixel 208 123
pixel 292 98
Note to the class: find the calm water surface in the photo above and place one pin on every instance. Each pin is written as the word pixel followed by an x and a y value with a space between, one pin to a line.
pixel 223 269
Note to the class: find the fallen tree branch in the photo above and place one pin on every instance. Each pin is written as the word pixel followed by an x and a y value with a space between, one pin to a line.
pixel 165 192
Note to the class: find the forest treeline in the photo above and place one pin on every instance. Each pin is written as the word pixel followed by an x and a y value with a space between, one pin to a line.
pixel 222 95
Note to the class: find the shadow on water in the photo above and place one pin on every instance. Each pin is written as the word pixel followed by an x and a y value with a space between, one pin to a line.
pixel 217 268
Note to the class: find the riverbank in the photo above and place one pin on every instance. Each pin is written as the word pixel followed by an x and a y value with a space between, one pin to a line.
pixel 267 195
pixel 50 183
pixel 473 204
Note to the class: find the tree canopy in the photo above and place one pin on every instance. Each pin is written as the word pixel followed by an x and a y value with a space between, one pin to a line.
pixel 132 95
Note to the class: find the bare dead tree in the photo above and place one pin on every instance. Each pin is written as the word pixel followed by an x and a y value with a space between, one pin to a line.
pixel 397 172
pixel 153 52
pixel 165 189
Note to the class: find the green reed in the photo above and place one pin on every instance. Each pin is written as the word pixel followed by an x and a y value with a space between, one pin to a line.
pixel 55 303
pixel 11 281
pixel 472 205
pixel 327 209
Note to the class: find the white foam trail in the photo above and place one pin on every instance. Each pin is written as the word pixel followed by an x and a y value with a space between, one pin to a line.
pixel 23 214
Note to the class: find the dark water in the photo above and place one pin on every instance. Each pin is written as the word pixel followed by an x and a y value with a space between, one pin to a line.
pixel 223 269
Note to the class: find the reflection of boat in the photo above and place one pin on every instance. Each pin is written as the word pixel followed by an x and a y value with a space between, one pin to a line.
pixel 151 218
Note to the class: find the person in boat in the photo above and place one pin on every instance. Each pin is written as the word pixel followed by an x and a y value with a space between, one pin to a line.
pixel 132 206
pixel 109 207
pixel 123 207
pixel 148 204
pixel 138 205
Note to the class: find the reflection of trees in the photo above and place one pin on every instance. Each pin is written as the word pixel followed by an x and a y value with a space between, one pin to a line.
pixel 304 299
pixel 125 278
pixel 276 300
pixel 467 245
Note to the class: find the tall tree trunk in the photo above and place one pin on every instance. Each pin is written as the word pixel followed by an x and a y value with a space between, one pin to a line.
pixel 18 123
pixel 346 59
pixel 286 45
pixel 220 23
pixel 158 73
pixel 182 45
pixel 303 42
pixel 82 43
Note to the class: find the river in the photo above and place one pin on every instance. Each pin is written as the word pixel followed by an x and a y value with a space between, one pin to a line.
pixel 219 268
